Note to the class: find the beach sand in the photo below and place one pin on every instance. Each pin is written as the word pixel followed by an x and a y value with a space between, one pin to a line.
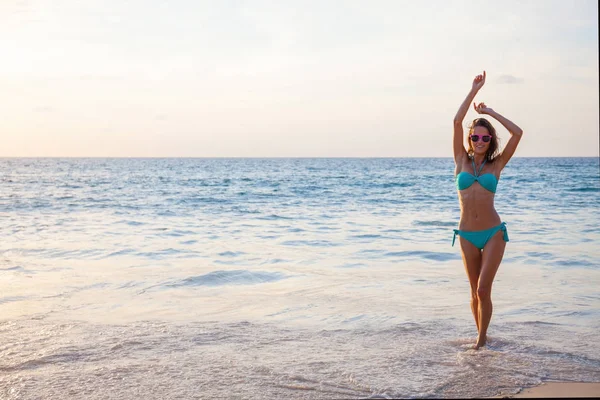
pixel 559 389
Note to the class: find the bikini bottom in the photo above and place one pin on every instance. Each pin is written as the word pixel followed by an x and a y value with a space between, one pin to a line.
pixel 480 238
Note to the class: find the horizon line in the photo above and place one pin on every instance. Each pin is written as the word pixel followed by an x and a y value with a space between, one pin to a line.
pixel 266 157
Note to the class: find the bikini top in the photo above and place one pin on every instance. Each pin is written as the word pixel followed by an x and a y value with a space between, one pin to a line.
pixel 464 180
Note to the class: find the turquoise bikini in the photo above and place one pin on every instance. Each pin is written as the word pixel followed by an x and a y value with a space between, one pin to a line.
pixel 480 238
pixel 489 182
pixel 464 180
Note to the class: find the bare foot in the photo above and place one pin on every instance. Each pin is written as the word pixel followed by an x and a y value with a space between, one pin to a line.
pixel 480 343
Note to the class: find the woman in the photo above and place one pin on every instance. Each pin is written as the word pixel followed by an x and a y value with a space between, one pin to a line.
pixel 483 235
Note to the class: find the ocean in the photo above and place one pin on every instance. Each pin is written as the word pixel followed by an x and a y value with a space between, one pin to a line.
pixel 297 278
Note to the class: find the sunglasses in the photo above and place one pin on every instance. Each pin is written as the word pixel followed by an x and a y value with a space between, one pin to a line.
pixel 485 138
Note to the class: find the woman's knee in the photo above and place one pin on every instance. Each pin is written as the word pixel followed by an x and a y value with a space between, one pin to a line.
pixel 474 295
pixel 484 292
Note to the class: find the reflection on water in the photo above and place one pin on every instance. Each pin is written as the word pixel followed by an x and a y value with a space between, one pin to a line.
pixel 287 278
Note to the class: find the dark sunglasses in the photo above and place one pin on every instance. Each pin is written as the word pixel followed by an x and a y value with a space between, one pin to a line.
pixel 485 138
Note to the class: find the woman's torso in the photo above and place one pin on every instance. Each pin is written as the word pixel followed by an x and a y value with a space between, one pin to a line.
pixel 477 210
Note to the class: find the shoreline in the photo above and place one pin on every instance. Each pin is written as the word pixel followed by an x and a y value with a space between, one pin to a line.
pixel 554 389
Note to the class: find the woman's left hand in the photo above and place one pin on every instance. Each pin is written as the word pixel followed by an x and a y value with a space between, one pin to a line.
pixel 481 108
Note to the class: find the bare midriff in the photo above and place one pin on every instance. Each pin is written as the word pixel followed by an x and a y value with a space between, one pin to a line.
pixel 477 210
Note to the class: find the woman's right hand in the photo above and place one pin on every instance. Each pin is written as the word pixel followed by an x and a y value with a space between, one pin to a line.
pixel 478 82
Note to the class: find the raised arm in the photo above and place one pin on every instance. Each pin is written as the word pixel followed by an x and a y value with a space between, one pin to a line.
pixel 459 148
pixel 515 133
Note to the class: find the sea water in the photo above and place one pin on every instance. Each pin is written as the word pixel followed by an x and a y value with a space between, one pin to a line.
pixel 288 278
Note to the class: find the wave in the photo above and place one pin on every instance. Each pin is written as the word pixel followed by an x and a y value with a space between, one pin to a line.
pixel 366 236
pixel 231 253
pixel 428 255
pixel 274 217
pixel 310 243
pixel 435 223
pixel 236 277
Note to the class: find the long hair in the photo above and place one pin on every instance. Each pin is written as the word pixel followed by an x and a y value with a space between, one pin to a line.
pixel 492 151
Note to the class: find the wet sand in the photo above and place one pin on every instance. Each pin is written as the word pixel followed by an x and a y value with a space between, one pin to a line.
pixel 559 389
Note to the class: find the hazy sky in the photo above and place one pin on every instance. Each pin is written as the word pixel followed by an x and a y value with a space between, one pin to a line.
pixel 321 78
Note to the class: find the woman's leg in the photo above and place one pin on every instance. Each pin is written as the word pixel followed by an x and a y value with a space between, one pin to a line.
pixel 490 261
pixel 472 260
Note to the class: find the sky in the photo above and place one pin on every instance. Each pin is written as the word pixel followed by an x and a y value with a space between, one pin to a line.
pixel 292 78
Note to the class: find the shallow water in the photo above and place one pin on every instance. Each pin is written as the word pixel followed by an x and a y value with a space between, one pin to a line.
pixel 291 278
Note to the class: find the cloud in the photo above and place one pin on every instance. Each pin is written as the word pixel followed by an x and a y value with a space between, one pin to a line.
pixel 99 77
pixel 509 79
pixel 43 109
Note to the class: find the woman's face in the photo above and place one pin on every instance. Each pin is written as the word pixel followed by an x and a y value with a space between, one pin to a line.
pixel 478 138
